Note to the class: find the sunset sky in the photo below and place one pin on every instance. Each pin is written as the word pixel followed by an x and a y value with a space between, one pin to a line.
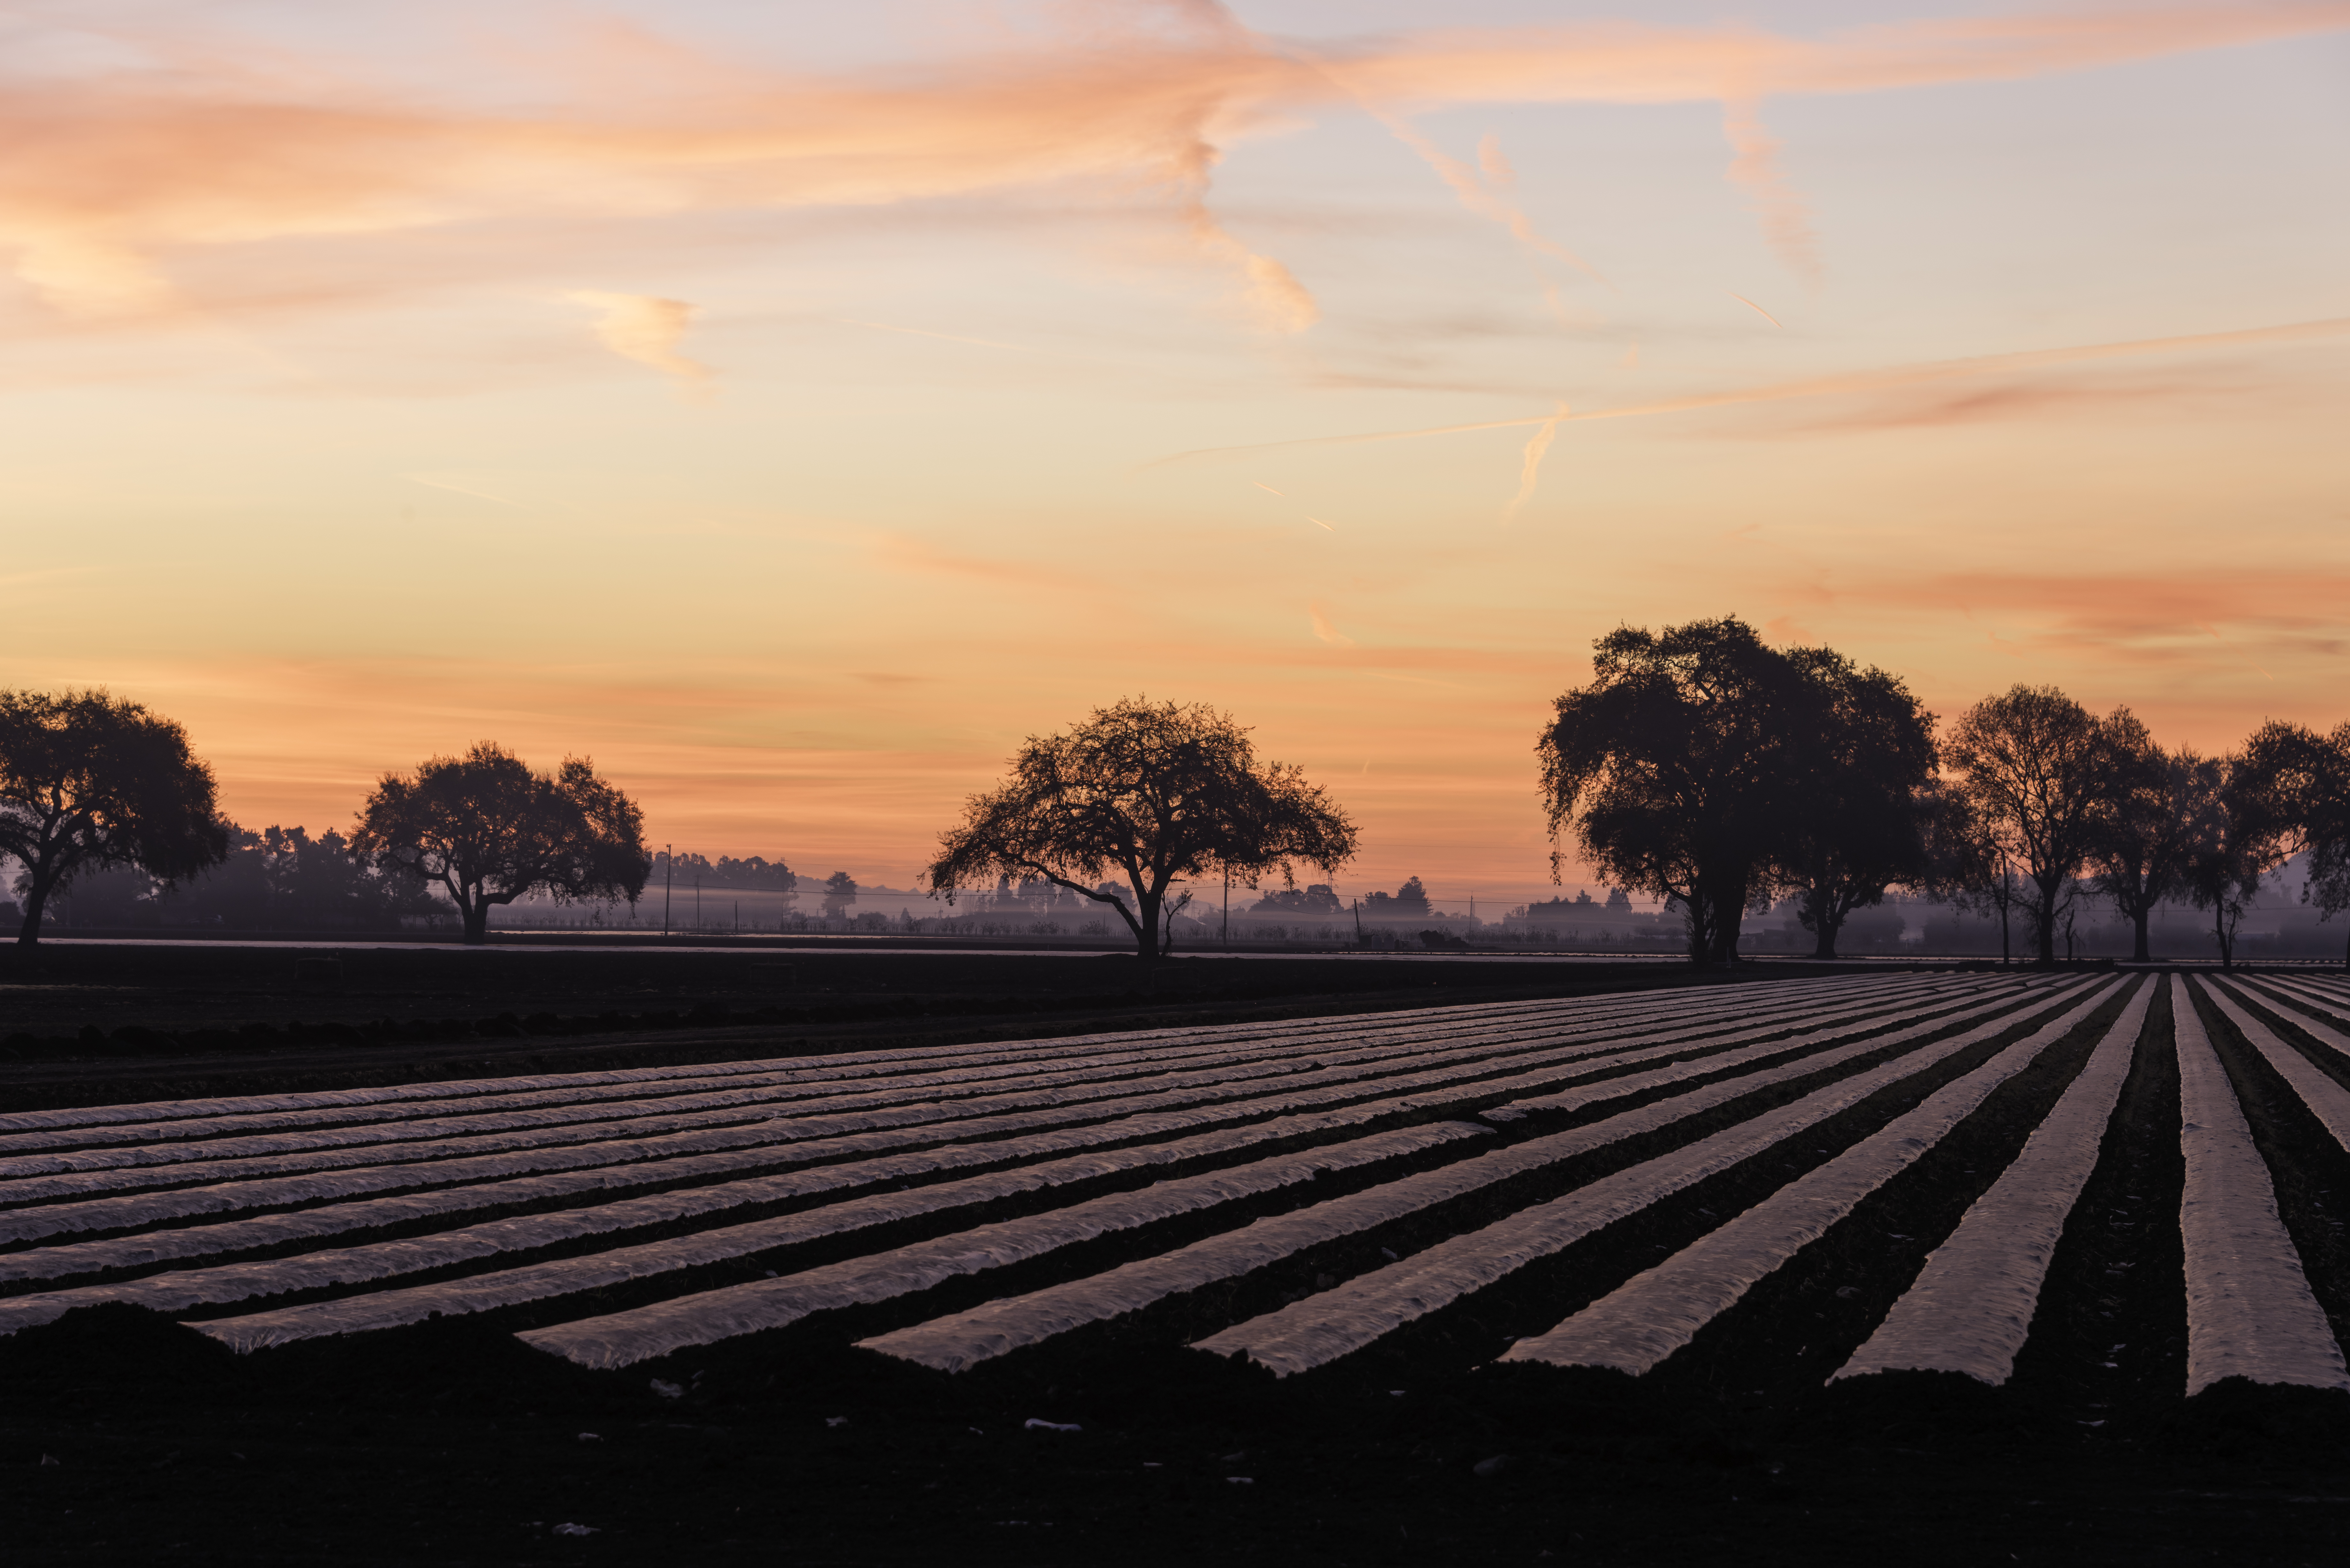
pixel 791 406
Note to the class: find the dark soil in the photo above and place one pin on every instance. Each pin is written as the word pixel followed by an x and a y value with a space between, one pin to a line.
pixel 452 1442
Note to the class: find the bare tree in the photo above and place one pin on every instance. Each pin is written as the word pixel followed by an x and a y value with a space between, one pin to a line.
pixel 1160 792
pixel 2035 765
pixel 489 831
pixel 2142 830
pixel 88 781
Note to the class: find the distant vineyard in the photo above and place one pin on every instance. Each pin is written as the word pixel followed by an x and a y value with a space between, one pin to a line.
pixel 1816 1180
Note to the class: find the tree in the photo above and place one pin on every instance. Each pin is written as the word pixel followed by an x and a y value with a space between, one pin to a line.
pixel 2143 828
pixel 489 831
pixel 88 781
pixel 1673 769
pixel 2036 767
pixel 2234 842
pixel 2298 783
pixel 1965 860
pixel 1160 792
pixel 1854 825
pixel 839 892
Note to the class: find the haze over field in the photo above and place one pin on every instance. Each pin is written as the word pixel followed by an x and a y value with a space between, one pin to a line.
pixel 793 409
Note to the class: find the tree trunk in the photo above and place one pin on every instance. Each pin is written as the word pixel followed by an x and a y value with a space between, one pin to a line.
pixel 2220 933
pixel 2045 918
pixel 2139 953
pixel 1728 914
pixel 37 898
pixel 1146 933
pixel 477 923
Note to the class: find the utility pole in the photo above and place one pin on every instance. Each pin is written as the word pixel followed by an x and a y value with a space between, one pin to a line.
pixel 669 881
pixel 1228 909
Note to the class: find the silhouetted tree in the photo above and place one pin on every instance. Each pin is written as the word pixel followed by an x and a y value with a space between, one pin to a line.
pixel 2143 828
pixel 2036 767
pixel 1673 768
pixel 1855 824
pixel 839 892
pixel 2235 843
pixel 2298 783
pixel 1160 792
pixel 489 831
pixel 90 781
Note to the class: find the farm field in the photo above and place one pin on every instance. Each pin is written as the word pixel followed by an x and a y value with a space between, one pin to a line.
pixel 1661 1275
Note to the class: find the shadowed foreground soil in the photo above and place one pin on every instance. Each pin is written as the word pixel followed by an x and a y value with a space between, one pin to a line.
pixel 127 1437
pixel 447 1444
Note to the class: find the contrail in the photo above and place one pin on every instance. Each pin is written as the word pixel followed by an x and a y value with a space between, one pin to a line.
pixel 1756 308
pixel 439 483
pixel 1268 489
pixel 1820 387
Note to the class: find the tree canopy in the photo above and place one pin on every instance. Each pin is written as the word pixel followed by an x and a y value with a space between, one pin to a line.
pixel 1161 792
pixel 1675 768
pixel 88 781
pixel 2142 830
pixel 489 831
pixel 1854 821
pixel 2035 769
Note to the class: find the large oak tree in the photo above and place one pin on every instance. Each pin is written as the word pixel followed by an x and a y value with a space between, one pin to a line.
pixel 88 781
pixel 1676 768
pixel 489 830
pixel 1160 793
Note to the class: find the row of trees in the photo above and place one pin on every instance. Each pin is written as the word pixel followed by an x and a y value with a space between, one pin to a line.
pixel 89 782
pixel 1717 773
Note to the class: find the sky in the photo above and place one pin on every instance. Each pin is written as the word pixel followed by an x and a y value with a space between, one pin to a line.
pixel 791 406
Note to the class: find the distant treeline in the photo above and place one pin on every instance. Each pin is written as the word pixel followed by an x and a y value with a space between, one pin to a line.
pixel 280 879
pixel 753 874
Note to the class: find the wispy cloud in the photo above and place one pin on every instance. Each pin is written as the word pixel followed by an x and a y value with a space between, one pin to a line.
pixel 1324 630
pixel 648 329
pixel 1883 379
pixel 1530 470
pixel 113 174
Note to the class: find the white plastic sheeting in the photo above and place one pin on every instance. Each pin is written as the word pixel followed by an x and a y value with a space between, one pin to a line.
pixel 851 1064
pixel 2325 1097
pixel 964 1339
pixel 1327 1326
pixel 263 1182
pixel 1660 1310
pixel 2249 1310
pixel 621 1338
pixel 1970 1307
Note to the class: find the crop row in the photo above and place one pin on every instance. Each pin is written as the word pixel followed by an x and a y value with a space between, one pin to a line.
pixel 1633 1182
